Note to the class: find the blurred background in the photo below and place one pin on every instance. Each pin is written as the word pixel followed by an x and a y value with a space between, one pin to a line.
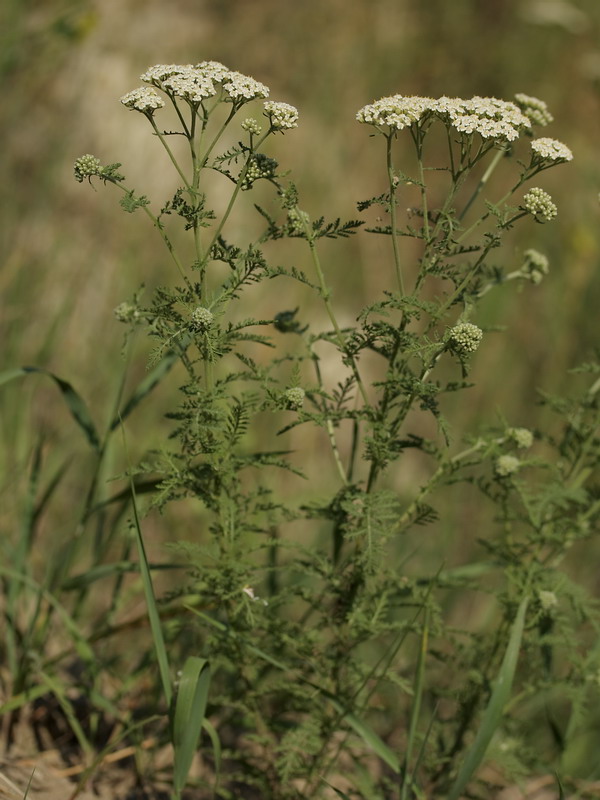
pixel 69 254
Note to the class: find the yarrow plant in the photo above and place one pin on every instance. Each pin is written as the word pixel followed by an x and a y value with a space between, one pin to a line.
pixel 311 635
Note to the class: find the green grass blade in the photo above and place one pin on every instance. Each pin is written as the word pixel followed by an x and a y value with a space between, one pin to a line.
pixel 153 378
pixel 339 792
pixel 416 708
pixel 75 404
pixel 216 746
pixel 153 615
pixel 188 716
pixel 492 716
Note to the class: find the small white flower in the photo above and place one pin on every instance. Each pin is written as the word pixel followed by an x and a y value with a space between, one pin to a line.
pixel 143 99
pixel 551 150
pixel 539 204
pixel 243 88
pixel 248 590
pixel 283 116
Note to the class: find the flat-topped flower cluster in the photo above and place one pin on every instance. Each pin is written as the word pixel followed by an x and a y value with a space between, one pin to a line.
pixel 493 119
pixel 196 83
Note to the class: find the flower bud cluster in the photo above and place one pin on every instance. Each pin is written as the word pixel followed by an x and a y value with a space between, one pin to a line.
pixel 259 166
pixel 281 115
pixel 297 220
pixel 201 319
pixel 535 266
pixel 540 205
pixel 252 126
pixel 126 312
pixel 522 437
pixel 294 398
pixel 533 108
pixel 86 166
pixel 506 465
pixel 464 338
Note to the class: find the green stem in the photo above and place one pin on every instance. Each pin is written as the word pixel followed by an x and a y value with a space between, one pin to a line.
pixel 392 190
pixel 434 480
pixel 233 198
pixel 329 425
pixel 484 179
pixel 325 294
pixel 170 154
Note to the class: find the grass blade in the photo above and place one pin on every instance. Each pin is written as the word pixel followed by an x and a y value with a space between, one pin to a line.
pixel 188 716
pixel 495 708
pixel 75 404
pixel 416 708
pixel 153 615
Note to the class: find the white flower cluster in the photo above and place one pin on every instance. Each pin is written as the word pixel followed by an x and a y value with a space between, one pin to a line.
pixel 201 319
pixel 281 115
pixel 143 99
pixel 507 465
pixel 489 117
pixel 252 126
pixel 464 338
pixel 397 111
pixel 540 205
pixel 86 166
pixel 522 437
pixel 242 87
pixel 195 83
pixel 193 86
pixel 551 150
pixel 535 265
pixel 535 109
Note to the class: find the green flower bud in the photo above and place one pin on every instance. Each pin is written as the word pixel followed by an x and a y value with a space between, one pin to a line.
pixel 464 338
pixel 507 465
pixel 294 398
pixel 201 319
pixel 86 166
pixel 521 437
